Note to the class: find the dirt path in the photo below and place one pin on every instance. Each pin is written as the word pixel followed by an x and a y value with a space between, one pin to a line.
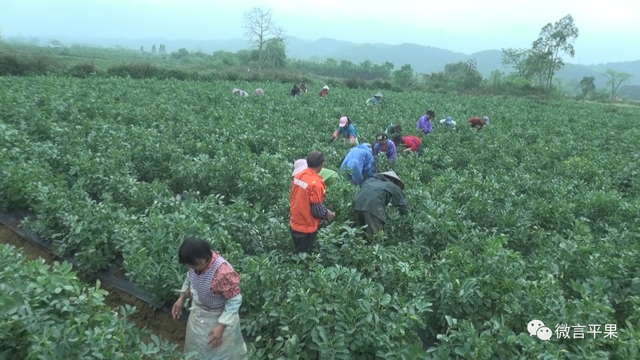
pixel 158 322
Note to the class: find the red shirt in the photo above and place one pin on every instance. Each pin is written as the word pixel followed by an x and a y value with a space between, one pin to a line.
pixel 324 92
pixel 476 121
pixel 411 142
pixel 307 188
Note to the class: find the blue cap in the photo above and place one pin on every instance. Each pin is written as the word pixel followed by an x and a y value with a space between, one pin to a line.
pixel 449 119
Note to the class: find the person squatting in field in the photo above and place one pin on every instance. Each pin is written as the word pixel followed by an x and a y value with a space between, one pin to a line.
pixel 393 130
pixel 424 122
pixel 479 123
pixel 325 91
pixel 306 204
pixel 213 329
pixel 346 130
pixel 409 142
pixel 295 90
pixel 375 99
pixel 386 146
pixel 358 163
pixel 240 92
pixel 448 122
pixel 370 204
pixel 303 87
pixel 329 177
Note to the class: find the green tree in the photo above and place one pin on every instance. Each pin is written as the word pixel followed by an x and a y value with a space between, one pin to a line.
pixel 259 28
pixel 615 79
pixel 540 63
pixel 276 52
pixel 153 48
pixel 496 79
pixel 587 85
pixel 404 76
pixel 555 41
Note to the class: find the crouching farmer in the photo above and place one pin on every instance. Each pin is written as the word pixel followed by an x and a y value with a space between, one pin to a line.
pixel 371 202
pixel 213 329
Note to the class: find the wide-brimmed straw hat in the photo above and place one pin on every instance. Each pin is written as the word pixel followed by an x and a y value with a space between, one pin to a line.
pixel 394 177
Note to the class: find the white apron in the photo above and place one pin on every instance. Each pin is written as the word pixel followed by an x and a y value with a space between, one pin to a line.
pixel 198 327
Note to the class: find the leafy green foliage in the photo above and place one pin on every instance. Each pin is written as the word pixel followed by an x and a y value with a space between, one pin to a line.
pixel 47 313
pixel 535 216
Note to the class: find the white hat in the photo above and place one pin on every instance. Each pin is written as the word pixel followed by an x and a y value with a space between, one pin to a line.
pixel 378 95
pixel 235 90
pixel 343 121
pixel 259 91
pixel 298 166
pixel 394 176
pixel 325 87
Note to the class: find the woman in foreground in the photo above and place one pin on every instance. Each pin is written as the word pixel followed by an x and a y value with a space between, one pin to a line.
pixel 213 329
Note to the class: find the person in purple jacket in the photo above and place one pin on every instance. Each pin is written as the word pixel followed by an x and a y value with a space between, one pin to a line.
pixel 384 145
pixel 424 123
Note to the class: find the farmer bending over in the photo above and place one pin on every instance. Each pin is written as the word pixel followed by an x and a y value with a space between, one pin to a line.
pixel 375 99
pixel 410 143
pixel 479 123
pixel 295 90
pixel 370 204
pixel 346 130
pixel 394 130
pixel 386 146
pixel 448 122
pixel 424 122
pixel 358 163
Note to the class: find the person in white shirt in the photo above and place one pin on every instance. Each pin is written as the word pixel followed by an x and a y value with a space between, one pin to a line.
pixel 448 122
pixel 240 92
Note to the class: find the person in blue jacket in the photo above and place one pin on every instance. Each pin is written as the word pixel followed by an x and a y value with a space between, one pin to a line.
pixel 358 163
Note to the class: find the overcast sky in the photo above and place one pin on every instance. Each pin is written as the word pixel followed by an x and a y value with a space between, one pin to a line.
pixel 609 31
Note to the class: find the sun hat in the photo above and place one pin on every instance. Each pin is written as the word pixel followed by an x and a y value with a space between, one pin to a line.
pixel 486 119
pixel 378 95
pixel 448 119
pixel 394 177
pixel 259 91
pixel 235 90
pixel 298 166
pixel 343 121
pixel 325 87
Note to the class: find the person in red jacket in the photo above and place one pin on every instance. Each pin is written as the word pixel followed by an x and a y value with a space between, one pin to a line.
pixel 411 143
pixel 477 122
pixel 325 91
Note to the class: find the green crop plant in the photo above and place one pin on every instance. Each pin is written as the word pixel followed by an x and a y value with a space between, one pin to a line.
pixel 534 217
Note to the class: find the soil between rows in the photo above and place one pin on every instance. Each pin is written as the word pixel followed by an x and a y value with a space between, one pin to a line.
pixel 157 321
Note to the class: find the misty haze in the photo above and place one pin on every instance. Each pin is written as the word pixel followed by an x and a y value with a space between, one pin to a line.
pixel 319 179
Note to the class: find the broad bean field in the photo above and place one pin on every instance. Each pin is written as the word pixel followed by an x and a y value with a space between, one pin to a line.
pixel 534 217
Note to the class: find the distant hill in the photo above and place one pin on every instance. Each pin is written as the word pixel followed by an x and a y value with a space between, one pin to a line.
pixel 427 59
pixel 424 59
